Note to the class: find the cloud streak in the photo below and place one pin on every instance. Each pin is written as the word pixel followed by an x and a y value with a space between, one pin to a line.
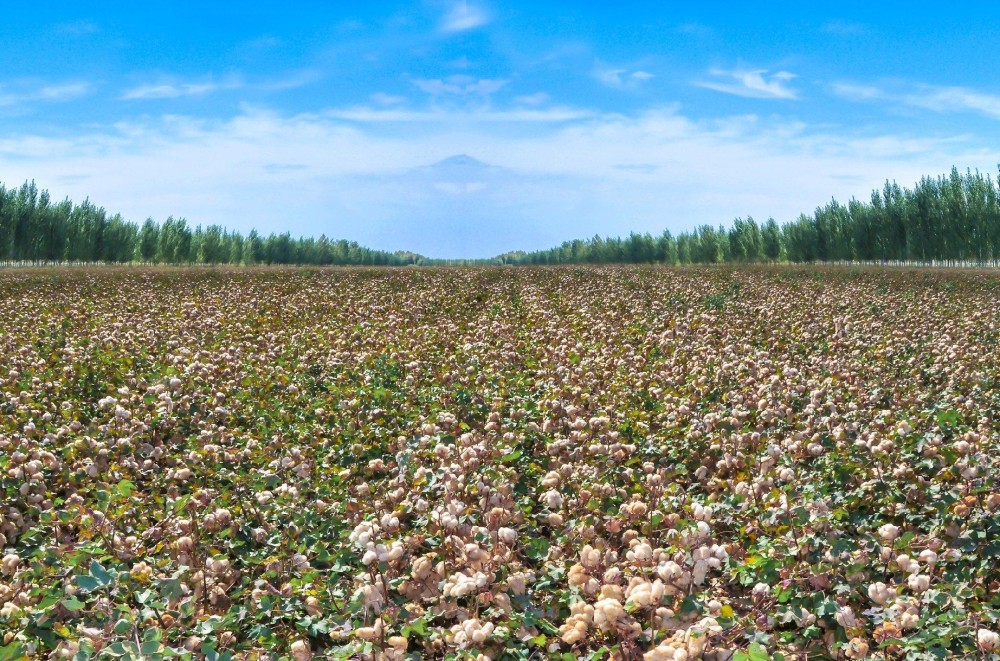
pixel 174 90
pixel 459 85
pixel 58 92
pixel 464 16
pixel 621 78
pixel 754 84
pixel 940 99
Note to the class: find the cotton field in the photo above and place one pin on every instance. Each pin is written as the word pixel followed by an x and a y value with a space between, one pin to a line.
pixel 593 463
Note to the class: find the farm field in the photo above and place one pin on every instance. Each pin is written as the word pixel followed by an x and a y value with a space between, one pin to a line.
pixel 489 463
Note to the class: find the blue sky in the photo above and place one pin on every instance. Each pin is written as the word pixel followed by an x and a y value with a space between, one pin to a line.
pixel 472 128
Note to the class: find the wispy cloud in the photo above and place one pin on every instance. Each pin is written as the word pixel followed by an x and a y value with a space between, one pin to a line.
pixel 457 117
pixel 173 90
pixel 620 78
pixel 464 16
pixel 755 84
pixel 941 99
pixel 854 92
pixel 25 93
pixel 459 85
pixel 383 99
pixel 536 99
pixel 956 99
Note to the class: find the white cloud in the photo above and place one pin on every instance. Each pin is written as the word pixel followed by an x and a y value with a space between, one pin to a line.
pixel 853 92
pixel 464 16
pixel 64 91
pixel 956 99
pixel 620 78
pixel 550 115
pixel 459 85
pixel 363 173
pixel 383 99
pixel 173 90
pixel 536 99
pixel 939 99
pixel 25 92
pixel 755 84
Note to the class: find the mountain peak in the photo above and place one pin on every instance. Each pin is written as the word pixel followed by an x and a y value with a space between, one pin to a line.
pixel 460 161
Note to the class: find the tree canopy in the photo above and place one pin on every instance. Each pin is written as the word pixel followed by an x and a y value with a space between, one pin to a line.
pixel 948 219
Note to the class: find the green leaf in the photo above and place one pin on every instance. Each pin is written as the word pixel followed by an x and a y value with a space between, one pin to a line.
pixel 758 653
pixel 103 577
pixel 511 457
pixel 125 488
pixel 150 647
pixel 12 652
pixel 87 583
pixel 72 604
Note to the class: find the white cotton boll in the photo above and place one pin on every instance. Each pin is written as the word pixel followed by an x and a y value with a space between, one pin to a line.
pixel 909 619
pixel 369 557
pixel 300 650
pixel 928 556
pixel 507 535
pixel 987 640
pixel 845 617
pixel 395 552
pixel 551 479
pixel 888 532
pixel 590 557
pixel 641 554
pixel 879 593
pixel 607 612
pixel 907 564
pixel 699 572
pixel 552 499
pixel 761 590
pixel 10 563
pixel 918 582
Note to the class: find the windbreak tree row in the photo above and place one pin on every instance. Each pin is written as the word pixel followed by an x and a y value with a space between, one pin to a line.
pixel 945 220
pixel 33 228
pixel 948 219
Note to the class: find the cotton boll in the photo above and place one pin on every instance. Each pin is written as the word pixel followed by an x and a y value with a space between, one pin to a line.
pixel 10 563
pixel 552 499
pixel 857 648
pixel 879 593
pixel 928 556
pixel 300 650
pixel 907 564
pixel 507 535
pixel 888 532
pixel 918 582
pixel 988 641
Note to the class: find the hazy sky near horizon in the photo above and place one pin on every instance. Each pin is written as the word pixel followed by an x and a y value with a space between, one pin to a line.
pixel 456 128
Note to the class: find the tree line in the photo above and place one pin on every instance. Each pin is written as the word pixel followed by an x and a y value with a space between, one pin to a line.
pixel 35 229
pixel 949 219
